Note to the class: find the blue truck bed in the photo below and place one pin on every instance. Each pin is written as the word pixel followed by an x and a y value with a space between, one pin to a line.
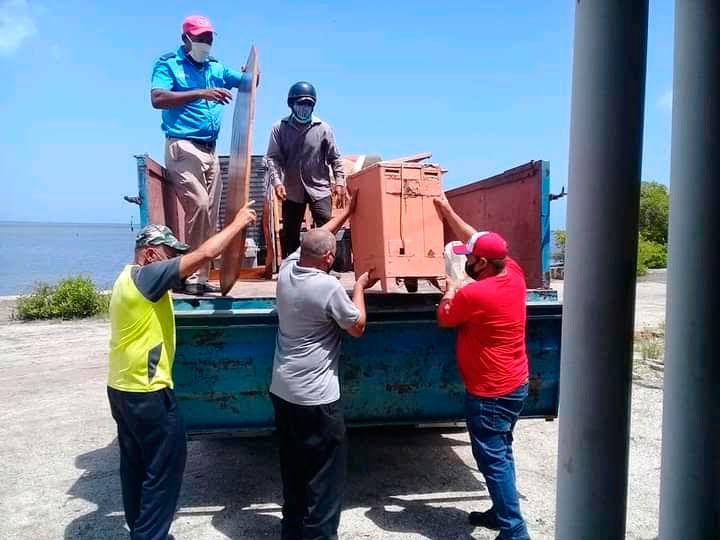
pixel 402 371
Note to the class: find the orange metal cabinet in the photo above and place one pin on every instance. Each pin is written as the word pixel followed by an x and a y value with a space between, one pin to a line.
pixel 396 228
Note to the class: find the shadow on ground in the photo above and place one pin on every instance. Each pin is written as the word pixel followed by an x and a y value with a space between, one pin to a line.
pixel 403 475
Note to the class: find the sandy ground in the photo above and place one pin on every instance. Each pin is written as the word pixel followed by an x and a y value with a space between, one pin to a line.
pixel 649 299
pixel 59 457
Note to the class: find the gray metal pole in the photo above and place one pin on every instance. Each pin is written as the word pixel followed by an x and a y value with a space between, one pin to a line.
pixel 690 478
pixel 606 132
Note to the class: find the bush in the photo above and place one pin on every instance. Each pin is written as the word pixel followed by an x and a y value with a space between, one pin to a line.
pixel 71 298
pixel 654 211
pixel 560 241
pixel 650 255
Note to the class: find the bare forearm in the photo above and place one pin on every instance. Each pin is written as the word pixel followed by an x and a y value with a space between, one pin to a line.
pixel 168 99
pixel 208 250
pixel 338 221
pixel 459 227
pixel 358 328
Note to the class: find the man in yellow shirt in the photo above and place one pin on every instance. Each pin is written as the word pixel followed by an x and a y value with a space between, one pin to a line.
pixel 151 432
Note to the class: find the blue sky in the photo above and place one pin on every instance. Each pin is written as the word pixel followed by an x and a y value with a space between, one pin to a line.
pixel 484 85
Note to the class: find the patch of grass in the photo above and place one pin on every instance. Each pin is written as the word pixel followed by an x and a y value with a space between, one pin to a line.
pixel 72 298
pixel 652 349
pixel 651 344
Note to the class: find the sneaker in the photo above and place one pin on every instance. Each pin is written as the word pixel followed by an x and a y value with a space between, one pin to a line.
pixel 486 519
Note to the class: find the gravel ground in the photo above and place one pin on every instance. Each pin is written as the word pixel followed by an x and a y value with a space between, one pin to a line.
pixel 59 457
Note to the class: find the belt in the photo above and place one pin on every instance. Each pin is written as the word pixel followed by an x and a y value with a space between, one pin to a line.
pixel 207 146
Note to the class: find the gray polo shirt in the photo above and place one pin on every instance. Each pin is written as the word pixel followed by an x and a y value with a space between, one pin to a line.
pixel 313 310
pixel 299 155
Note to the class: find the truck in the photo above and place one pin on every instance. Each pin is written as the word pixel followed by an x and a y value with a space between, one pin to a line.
pixel 403 370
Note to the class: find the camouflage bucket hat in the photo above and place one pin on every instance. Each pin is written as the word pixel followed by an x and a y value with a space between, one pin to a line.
pixel 159 235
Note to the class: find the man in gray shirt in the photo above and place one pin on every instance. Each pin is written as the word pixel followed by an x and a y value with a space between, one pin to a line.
pixel 313 311
pixel 301 150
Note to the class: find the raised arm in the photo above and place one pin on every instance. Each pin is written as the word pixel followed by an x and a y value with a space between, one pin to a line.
pixel 460 228
pixel 338 221
pixel 216 244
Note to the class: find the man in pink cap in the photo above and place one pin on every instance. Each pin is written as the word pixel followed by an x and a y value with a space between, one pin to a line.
pixel 489 315
pixel 190 87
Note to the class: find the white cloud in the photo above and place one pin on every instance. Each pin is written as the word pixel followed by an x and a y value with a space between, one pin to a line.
pixel 16 25
pixel 665 101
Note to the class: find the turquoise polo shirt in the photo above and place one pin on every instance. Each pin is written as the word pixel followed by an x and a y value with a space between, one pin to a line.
pixel 199 119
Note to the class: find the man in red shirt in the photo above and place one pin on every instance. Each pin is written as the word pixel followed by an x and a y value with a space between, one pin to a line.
pixel 489 315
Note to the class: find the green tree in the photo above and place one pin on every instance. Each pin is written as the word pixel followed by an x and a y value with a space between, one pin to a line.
pixel 654 210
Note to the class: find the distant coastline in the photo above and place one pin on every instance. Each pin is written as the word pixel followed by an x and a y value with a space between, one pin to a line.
pixel 69 223
pixel 35 251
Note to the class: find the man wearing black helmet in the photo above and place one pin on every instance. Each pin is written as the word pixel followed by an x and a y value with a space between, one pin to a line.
pixel 301 150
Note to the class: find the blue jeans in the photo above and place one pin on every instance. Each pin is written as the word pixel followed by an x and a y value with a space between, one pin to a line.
pixel 490 422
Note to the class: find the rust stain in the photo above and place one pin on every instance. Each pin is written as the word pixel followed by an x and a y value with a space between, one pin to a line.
pixel 534 388
pixel 211 338
pixel 400 388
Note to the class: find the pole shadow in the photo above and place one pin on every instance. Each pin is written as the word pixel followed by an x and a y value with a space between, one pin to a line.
pixel 406 478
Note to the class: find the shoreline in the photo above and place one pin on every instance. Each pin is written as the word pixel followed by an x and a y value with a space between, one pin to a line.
pixel 650 299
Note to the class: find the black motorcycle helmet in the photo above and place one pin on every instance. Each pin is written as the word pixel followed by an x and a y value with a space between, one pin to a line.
pixel 299 90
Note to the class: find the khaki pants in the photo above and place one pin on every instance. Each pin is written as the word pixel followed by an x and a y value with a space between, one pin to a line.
pixel 195 175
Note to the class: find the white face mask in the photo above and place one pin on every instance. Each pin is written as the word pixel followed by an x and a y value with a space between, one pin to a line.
pixel 199 52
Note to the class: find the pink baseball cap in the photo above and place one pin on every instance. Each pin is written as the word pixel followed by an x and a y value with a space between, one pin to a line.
pixel 196 25
pixel 489 245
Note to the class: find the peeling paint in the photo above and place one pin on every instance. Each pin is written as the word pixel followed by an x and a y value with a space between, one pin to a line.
pixel 400 388
pixel 400 372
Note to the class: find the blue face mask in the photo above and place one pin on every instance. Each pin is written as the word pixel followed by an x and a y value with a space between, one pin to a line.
pixel 302 112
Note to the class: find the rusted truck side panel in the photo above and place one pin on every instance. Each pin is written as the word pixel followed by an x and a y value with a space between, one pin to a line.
pixel 402 371
pixel 516 204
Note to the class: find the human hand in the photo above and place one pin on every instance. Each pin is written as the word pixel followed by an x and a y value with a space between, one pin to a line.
pixel 220 95
pixel 352 199
pixel 281 192
pixel 367 279
pixel 450 289
pixel 442 204
pixel 246 215
pixel 339 196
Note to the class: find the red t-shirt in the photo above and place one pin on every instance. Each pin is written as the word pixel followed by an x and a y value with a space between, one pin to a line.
pixel 490 316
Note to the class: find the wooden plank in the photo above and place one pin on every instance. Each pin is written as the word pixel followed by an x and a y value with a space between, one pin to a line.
pixel 415 158
pixel 256 272
pixel 162 204
pixel 239 172
pixel 277 212
pixel 268 232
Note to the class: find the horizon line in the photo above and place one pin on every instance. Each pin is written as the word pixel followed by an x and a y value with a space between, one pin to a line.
pixel 33 222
